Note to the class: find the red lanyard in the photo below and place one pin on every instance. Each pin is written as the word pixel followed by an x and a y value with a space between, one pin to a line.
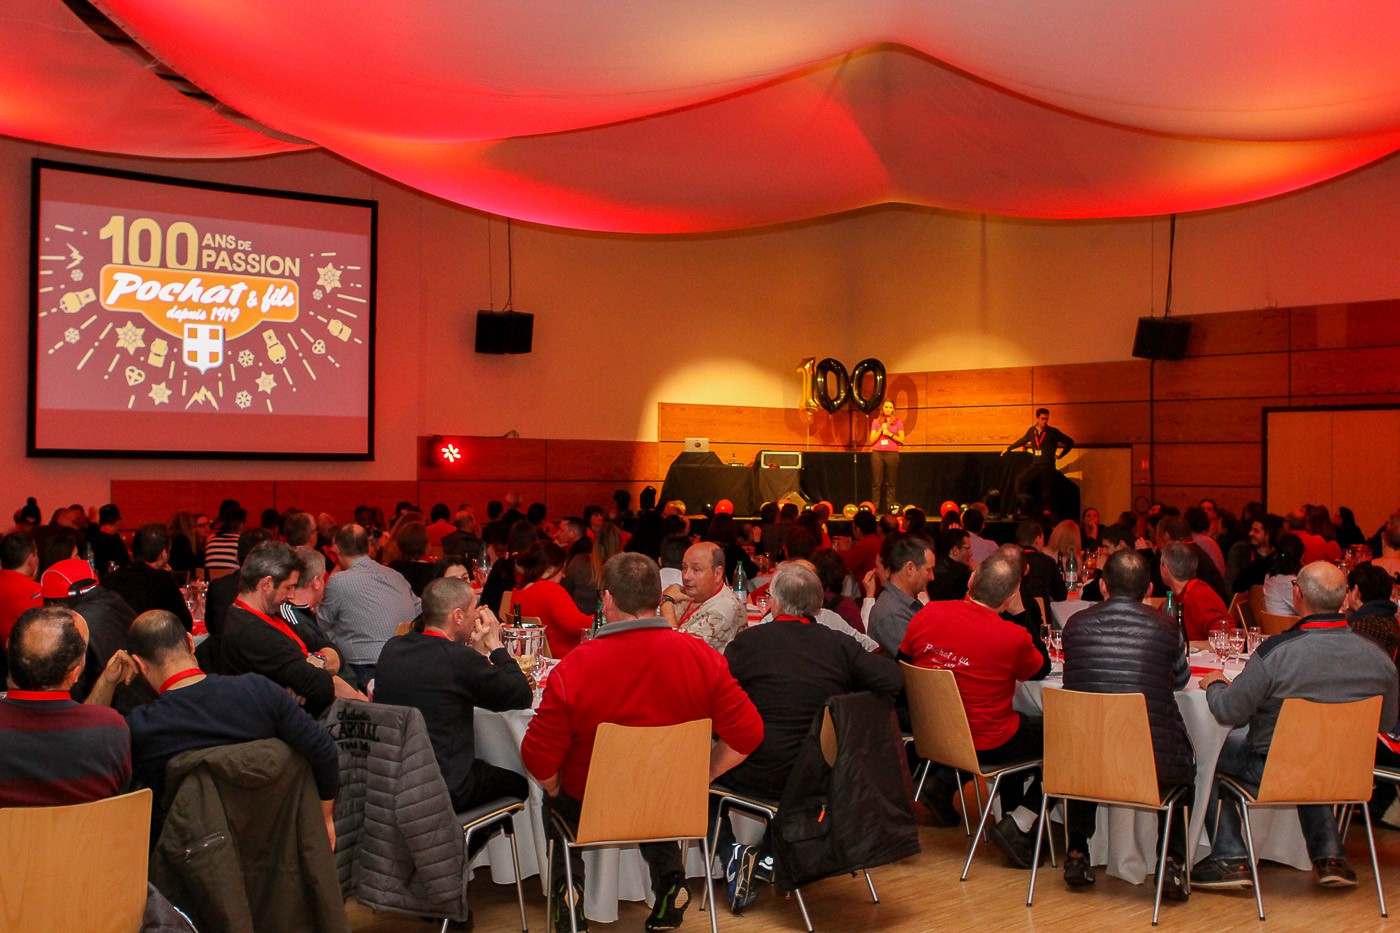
pixel 1037 438
pixel 1320 623
pixel 278 624
pixel 435 633
pixel 176 678
pixel 688 613
pixel 786 618
pixel 37 695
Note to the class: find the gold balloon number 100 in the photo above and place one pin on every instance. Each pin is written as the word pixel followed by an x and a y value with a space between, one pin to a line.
pixel 141 243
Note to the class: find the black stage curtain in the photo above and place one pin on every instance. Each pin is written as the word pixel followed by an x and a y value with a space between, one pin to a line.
pixel 926 479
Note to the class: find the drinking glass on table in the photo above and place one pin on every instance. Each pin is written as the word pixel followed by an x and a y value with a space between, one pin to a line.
pixel 1057 655
pixel 1237 641
pixel 1220 644
pixel 1254 638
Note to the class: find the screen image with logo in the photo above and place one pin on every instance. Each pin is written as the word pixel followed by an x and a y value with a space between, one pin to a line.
pixel 185 319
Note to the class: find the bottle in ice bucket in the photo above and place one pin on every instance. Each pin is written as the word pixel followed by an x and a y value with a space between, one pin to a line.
pixel 741 583
pixel 598 620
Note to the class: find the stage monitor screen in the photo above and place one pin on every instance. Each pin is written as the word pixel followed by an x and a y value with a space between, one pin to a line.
pixel 173 318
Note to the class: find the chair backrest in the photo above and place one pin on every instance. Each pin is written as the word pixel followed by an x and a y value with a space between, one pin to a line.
pixel 218 573
pixel 507 601
pixel 48 885
pixel 1271 624
pixel 403 628
pixel 1256 598
pixel 941 733
pixel 1098 746
pixel 1244 614
pixel 1321 751
pixel 647 782
pixel 1156 602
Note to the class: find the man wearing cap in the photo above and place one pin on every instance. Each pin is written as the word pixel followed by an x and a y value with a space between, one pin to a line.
pixel 56 752
pixel 258 640
pixel 70 584
pixel 108 549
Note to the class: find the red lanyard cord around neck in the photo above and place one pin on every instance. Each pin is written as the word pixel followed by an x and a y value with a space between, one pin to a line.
pixel 278 624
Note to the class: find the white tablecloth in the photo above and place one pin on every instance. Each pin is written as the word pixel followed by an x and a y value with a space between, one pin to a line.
pixel 1126 840
pixel 612 874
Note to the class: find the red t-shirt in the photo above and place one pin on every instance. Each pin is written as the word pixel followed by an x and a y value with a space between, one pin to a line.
pixel 651 676
pixel 17 593
pixel 987 654
pixel 1200 608
pixel 554 607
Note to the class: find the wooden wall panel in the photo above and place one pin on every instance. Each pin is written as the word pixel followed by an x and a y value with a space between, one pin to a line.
pixel 1256 375
pixel 980 387
pixel 1089 382
pixel 1225 464
pixel 486 458
pixel 907 390
pixel 569 498
pixel 1101 422
pixel 717 422
pixel 1360 324
pixel 145 501
pixel 1262 331
pixel 477 494
pixel 1346 372
pixel 600 460
pixel 339 498
pixel 1213 419
pixel 954 427
pixel 1226 497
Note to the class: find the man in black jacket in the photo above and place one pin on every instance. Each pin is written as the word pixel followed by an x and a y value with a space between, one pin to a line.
pixel 1035 484
pixel 790 667
pixel 147 583
pixel 1125 646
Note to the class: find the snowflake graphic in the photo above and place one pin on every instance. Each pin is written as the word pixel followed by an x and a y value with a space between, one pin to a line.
pixel 129 337
pixel 76 275
pixel 329 276
pixel 318 294
pixel 71 335
pixel 245 358
pixel 243 399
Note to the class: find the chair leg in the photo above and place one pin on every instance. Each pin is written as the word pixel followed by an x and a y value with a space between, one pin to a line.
pixel 981 822
pixel 962 799
pixel 519 884
pixel 1253 861
pixel 1190 853
pixel 705 853
pixel 569 891
pixel 806 917
pixel 1039 833
pixel 977 791
pixel 549 882
pixel 714 848
pixel 870 883
pixel 920 776
pixel 1375 866
pixel 1162 862
pixel 1344 822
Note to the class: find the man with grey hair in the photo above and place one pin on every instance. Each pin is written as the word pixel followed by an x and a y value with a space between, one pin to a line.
pixel 1320 659
pixel 365 602
pixel 988 656
pixel 299 610
pixel 790 667
pixel 258 640
pixel 1201 607
pixel 702 605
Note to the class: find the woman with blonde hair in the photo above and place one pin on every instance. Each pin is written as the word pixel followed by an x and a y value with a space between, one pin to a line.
pixel 1064 542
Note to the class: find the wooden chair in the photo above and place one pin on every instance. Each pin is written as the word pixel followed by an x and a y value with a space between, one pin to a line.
pixel 1156 602
pixel 43 888
pixel 507 602
pixel 216 574
pixel 496 816
pixel 1256 598
pixel 942 736
pixel 1098 747
pixel 767 810
pixel 1271 624
pixel 403 628
pixel 1321 753
pixel 645 784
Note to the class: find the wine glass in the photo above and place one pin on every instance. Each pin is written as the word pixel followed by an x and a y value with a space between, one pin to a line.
pixel 1220 643
pixel 1254 638
pixel 1056 644
pixel 1237 641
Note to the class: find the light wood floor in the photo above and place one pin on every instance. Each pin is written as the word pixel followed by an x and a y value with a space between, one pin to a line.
pixel 923 893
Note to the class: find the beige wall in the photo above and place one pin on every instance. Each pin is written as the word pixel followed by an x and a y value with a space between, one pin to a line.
pixel 623 323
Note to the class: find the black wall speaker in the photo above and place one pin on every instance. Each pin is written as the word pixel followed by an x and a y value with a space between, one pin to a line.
pixel 504 331
pixel 1161 338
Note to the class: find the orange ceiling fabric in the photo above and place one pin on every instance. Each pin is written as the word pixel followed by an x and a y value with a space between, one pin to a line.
pixel 652 116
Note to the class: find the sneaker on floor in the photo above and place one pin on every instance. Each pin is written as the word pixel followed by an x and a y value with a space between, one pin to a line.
pixel 1174 885
pixel 670 905
pixel 1335 873
pixel 1222 874
pixel 563 902
pixel 763 869
pixel 1019 846
pixel 1078 871
pixel 739 874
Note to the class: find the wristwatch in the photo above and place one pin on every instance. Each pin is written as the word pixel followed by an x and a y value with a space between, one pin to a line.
pixel 668 599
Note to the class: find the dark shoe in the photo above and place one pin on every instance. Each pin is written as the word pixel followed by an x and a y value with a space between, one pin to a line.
pixel 563 902
pixel 1334 873
pixel 670 905
pixel 1019 846
pixel 763 869
pixel 1174 886
pixel 940 807
pixel 1222 874
pixel 1078 871
pixel 738 875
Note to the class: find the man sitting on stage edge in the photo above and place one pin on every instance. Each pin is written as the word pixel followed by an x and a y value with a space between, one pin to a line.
pixel 711 610
pixel 636 672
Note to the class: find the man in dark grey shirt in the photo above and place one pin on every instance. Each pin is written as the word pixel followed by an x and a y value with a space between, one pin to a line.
pixel 1319 659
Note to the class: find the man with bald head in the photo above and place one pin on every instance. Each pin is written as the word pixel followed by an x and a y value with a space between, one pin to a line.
pixel 54 752
pixel 1320 659
pixel 702 605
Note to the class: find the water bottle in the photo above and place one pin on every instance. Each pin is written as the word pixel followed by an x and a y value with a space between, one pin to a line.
pixel 1071 570
pixel 741 583
pixel 1169 606
pixel 598 619
pixel 86 553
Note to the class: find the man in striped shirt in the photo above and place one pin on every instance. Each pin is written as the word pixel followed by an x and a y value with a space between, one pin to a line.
pixel 53 751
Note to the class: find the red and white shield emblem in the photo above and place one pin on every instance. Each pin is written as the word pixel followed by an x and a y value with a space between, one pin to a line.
pixel 204 346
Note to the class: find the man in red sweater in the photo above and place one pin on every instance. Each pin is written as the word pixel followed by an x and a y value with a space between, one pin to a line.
pixel 638 671
pixel 1201 607
pixel 988 656
pixel 19 562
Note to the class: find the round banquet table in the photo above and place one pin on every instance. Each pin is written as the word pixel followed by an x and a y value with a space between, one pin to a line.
pixel 1126 840
pixel 616 874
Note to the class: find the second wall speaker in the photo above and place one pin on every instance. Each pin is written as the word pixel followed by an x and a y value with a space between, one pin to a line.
pixel 1161 338
pixel 504 332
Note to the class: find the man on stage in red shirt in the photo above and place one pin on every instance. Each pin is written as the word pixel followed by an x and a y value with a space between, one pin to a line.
pixel 638 671
pixel 886 437
pixel 988 656
pixel 1201 606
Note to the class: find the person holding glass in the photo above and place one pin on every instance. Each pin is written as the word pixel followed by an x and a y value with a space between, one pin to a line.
pixel 886 438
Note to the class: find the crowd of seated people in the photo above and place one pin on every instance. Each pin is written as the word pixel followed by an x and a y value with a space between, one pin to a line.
pixel 301 610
